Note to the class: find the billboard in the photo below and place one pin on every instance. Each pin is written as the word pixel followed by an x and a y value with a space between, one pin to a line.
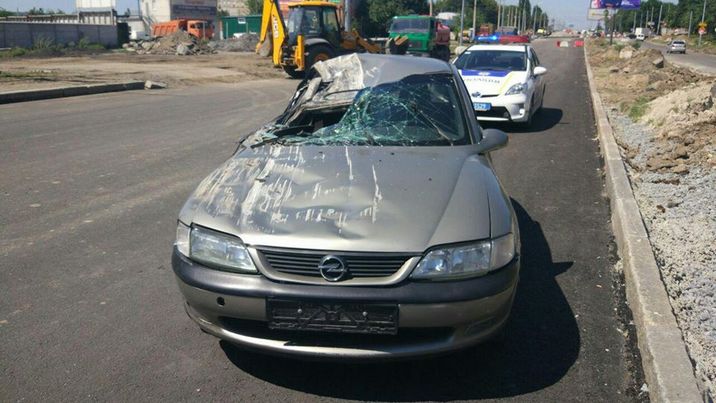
pixel 81 5
pixel 619 4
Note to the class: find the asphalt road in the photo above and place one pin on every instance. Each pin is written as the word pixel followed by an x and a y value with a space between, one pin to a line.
pixel 89 309
pixel 698 61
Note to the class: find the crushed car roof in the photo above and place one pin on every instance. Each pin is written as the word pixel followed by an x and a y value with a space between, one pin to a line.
pixel 365 70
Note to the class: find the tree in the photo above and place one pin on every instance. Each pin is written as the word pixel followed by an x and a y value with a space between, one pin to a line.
pixel 374 16
pixel 255 6
pixel 5 13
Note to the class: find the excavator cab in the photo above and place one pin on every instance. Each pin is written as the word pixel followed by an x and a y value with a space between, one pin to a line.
pixel 314 22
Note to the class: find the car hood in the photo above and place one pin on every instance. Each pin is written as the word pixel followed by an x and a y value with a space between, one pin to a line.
pixel 382 199
pixel 491 82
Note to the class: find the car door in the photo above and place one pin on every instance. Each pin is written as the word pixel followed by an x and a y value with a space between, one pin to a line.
pixel 539 80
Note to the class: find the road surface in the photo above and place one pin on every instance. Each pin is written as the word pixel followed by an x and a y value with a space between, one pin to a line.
pixel 698 61
pixel 89 195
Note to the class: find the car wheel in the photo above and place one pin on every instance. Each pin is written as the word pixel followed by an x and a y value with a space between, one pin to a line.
pixel 528 123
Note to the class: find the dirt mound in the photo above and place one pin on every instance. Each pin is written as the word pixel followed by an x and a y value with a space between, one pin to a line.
pixel 244 43
pixel 177 43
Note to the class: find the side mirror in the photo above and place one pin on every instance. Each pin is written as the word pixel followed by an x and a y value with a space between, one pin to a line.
pixel 492 139
pixel 539 70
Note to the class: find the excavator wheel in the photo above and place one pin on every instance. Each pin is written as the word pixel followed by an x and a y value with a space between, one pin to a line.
pixel 318 53
pixel 292 72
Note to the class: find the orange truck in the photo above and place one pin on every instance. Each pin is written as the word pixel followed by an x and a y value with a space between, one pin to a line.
pixel 197 28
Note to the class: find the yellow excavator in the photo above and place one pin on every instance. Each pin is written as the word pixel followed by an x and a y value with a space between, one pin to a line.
pixel 313 33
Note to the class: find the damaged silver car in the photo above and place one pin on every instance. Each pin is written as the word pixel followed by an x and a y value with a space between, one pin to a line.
pixel 365 222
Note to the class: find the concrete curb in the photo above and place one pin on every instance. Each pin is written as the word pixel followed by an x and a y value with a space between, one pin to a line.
pixel 667 366
pixel 34 95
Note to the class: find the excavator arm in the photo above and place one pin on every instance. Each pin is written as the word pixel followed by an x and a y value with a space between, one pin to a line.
pixel 273 31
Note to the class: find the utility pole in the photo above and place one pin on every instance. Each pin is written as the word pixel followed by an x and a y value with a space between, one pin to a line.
pixel 534 20
pixel 474 19
pixel 499 10
pixel 703 18
pixel 658 25
pixel 691 18
pixel 633 28
pixel 347 12
pixel 462 23
pixel 431 7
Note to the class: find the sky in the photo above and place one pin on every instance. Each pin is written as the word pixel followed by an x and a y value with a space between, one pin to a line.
pixel 568 11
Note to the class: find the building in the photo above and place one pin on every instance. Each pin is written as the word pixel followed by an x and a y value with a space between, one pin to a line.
pixel 234 7
pixel 154 11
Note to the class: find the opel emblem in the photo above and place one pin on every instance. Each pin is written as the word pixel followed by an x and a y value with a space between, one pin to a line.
pixel 476 94
pixel 333 268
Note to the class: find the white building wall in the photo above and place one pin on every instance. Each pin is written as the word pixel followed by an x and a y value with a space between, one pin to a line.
pixel 155 11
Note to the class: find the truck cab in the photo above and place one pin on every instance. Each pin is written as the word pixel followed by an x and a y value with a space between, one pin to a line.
pixel 427 36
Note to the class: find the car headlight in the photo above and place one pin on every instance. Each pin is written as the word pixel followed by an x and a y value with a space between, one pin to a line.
pixel 518 88
pixel 214 248
pixel 471 260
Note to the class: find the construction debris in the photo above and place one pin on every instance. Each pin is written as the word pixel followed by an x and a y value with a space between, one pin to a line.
pixel 178 43
pixel 154 85
pixel 242 43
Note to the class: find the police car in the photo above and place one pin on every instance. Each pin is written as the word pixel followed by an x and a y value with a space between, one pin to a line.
pixel 506 82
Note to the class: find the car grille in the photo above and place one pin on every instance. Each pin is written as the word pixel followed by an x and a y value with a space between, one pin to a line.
pixel 305 263
pixel 495 112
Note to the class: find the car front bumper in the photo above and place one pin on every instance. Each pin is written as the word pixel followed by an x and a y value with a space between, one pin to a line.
pixel 504 108
pixel 433 317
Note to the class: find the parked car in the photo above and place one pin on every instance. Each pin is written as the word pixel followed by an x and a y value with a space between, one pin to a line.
pixel 364 222
pixel 676 46
pixel 505 83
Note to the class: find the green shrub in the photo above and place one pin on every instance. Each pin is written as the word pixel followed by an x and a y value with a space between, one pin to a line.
pixel 43 43
pixel 639 108
pixel 636 44
pixel 14 52
pixel 618 47
pixel 83 43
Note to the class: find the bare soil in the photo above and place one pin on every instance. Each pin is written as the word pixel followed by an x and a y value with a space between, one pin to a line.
pixel 23 73
pixel 664 119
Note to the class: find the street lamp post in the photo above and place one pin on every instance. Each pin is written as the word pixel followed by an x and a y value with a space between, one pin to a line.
pixel 462 23
pixel 703 17
pixel 658 25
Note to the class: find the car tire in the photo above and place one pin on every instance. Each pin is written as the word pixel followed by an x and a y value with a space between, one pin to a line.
pixel 528 123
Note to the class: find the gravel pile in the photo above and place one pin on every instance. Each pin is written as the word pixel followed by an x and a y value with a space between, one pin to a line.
pixel 178 43
pixel 679 210
pixel 244 43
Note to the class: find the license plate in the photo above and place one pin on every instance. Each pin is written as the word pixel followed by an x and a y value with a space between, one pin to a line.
pixel 332 317
pixel 482 106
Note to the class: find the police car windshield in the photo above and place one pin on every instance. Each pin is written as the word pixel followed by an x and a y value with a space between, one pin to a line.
pixel 488 59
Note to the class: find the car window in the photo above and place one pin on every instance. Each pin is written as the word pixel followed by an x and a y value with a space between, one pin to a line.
pixel 419 110
pixel 535 58
pixel 407 25
pixel 507 60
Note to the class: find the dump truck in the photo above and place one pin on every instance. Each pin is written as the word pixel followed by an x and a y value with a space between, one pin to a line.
pixel 198 28
pixel 314 33
pixel 427 36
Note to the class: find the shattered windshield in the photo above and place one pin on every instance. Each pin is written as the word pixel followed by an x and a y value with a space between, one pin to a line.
pixel 504 60
pixel 419 110
pixel 410 25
